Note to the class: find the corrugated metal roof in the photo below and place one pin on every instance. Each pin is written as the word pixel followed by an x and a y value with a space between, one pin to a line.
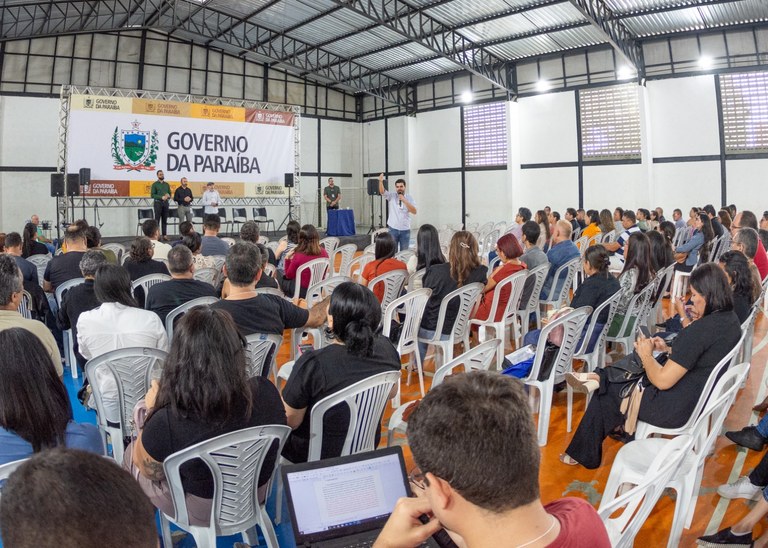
pixel 745 11
pixel 578 37
pixel 240 8
pixel 458 12
pixel 423 70
pixel 395 56
pixel 324 29
pixel 526 47
pixel 626 6
pixel 664 22
pixel 556 14
pixel 289 13
pixel 499 28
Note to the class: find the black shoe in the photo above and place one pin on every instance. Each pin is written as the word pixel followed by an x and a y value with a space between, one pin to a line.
pixel 725 538
pixel 747 437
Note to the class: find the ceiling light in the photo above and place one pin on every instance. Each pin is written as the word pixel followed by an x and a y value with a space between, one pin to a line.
pixel 705 62
pixel 625 73
pixel 466 97
pixel 542 85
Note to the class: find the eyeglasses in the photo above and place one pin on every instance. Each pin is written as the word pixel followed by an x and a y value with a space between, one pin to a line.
pixel 419 479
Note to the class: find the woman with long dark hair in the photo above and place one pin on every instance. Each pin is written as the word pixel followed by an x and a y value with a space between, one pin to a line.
pixel 606 222
pixel 428 250
pixel 542 220
pixel 637 273
pixel 673 388
pixel 697 249
pixel 745 288
pixel 662 254
pixel 30 246
pixel 35 412
pixel 385 249
pixel 286 244
pixel 308 249
pixel 204 392
pixel 353 319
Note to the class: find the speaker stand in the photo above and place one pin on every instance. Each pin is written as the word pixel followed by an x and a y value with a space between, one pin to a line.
pixel 289 217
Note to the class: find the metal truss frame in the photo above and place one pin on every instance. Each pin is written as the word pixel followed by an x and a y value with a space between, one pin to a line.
pixel 67 91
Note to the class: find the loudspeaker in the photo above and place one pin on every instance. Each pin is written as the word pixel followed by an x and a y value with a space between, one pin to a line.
pixel 373 187
pixel 73 184
pixel 288 180
pixel 85 176
pixel 57 185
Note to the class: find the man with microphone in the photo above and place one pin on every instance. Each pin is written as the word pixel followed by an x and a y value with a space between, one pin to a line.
pixel 401 207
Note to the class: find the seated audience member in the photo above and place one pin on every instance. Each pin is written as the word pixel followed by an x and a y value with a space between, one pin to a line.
pixel 194 242
pixel 593 228
pixel 746 241
pixel 181 288
pixel 81 298
pixel 677 216
pixel 637 274
pixel 463 268
pixel 353 318
pixel 385 249
pixel 265 280
pixel 444 434
pixel 717 228
pixel 58 488
pixel 532 258
pixel 747 219
pixel 570 216
pixel 642 219
pixel 617 248
pixel 544 233
pixel 618 220
pixel 203 392
pixel 509 253
pixel 606 222
pixel 763 233
pixel 428 251
pixel 151 230
pixel 553 218
pixel 35 413
pixel 653 220
pixel 13 248
pixel 35 220
pixel 745 288
pixel 11 291
pixel 562 251
pixel 30 245
pixel 308 249
pixel 117 323
pixel 516 229
pixel 674 387
pixel 581 218
pixel 725 219
pixel 662 254
pixel 185 229
pixel 697 249
pixel 660 214
pixel 693 214
pixel 140 260
pixel 65 267
pixel 287 243
pixel 211 243
pixel 254 313
pixel 93 241
pixel 250 232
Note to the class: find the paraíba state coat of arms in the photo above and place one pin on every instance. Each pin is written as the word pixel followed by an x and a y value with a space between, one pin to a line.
pixel 133 149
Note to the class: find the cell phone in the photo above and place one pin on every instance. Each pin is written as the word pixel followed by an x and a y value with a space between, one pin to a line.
pixel 441 538
pixel 644 330
pixel 302 348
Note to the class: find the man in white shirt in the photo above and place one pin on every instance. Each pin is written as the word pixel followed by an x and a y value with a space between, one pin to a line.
pixel 211 199
pixel 401 207
pixel 151 230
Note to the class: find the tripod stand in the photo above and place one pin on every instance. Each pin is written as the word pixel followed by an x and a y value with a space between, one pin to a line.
pixel 289 216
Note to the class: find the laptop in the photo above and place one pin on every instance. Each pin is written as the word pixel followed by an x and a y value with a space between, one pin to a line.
pixel 345 501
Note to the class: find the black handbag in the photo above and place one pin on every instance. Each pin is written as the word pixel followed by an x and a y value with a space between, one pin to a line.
pixel 628 371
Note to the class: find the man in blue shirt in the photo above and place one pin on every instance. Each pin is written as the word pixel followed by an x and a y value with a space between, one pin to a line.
pixel 401 207
pixel 562 251
pixel 629 222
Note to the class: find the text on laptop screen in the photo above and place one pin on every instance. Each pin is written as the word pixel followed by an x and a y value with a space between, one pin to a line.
pixel 346 494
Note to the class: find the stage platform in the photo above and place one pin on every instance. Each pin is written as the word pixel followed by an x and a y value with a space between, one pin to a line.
pixel 361 239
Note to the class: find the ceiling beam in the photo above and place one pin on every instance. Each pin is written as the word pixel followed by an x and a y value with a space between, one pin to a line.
pixel 668 7
pixel 615 33
pixel 422 29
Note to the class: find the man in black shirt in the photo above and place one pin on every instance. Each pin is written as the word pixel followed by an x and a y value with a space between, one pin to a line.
pixel 66 266
pixel 254 313
pixel 717 228
pixel 249 232
pixel 182 288
pixel 13 247
pixel 81 298
pixel 183 198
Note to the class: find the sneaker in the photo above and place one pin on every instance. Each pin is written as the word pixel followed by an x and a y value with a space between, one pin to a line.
pixel 747 437
pixel 742 488
pixel 725 538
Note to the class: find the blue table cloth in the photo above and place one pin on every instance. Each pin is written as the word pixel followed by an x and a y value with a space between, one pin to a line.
pixel 341 222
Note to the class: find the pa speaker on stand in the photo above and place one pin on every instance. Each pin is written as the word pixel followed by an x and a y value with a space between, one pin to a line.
pixel 373 190
pixel 288 183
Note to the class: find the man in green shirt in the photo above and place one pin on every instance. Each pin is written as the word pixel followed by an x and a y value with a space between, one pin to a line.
pixel 160 194
pixel 332 195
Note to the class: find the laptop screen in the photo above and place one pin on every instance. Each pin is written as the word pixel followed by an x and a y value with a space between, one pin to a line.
pixel 336 497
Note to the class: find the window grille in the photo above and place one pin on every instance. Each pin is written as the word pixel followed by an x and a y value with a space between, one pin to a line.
pixel 485 134
pixel 610 123
pixel 744 98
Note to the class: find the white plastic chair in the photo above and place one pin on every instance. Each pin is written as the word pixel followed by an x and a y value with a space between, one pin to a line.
pixel 9 468
pixel 319 269
pixel 637 503
pixel 235 461
pixel 663 279
pixel 118 249
pixel 478 358
pixel 414 278
pixel 145 282
pixel 261 351
pixel 173 315
pixel 269 270
pixel 69 342
pixel 330 244
pixel 229 241
pixel 748 329
pixel 132 370
pixel 347 253
pixel 411 306
pixel 41 263
pixel 468 296
pixel 405 255
pixel 357 265
pixel 25 305
pixel 393 281
pixel 513 285
pixel 634 317
pixel 535 280
pixel 207 275
pixel 572 324
pixel 375 232
pixel 563 280
pixel 632 464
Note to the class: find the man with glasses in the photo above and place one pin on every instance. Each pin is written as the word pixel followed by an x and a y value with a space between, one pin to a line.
pixel 494 497
pixel 746 219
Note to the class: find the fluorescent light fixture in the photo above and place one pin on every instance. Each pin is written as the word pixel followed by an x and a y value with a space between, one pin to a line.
pixel 542 85
pixel 466 97
pixel 705 62
pixel 625 73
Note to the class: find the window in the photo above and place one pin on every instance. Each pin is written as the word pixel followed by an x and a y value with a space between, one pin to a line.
pixel 744 97
pixel 485 135
pixel 610 123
